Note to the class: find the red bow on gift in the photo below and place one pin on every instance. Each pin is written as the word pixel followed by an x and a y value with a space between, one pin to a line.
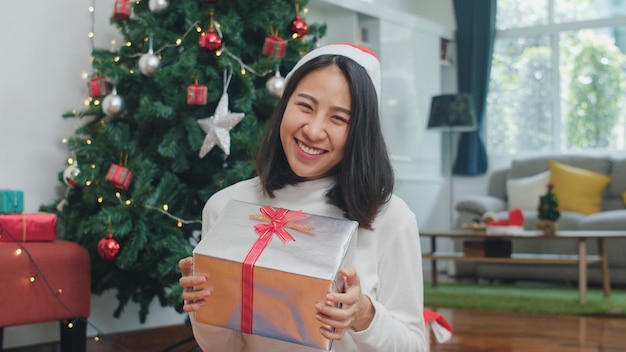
pixel 276 221
pixel 278 218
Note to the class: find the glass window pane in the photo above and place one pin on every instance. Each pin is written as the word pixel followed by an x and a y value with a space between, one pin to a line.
pixel 593 82
pixel 519 104
pixel 581 10
pixel 521 13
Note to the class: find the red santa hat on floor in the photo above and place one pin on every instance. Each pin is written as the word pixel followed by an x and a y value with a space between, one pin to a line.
pixel 362 55
pixel 439 325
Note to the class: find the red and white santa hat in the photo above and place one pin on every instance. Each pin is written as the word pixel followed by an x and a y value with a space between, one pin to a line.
pixel 362 55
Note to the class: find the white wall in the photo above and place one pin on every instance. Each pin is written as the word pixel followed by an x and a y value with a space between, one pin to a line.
pixel 45 52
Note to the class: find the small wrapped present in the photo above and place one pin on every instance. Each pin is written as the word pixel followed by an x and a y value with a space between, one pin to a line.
pixel 98 87
pixel 268 285
pixel 11 201
pixel 28 227
pixel 121 9
pixel 119 176
pixel 197 94
pixel 274 45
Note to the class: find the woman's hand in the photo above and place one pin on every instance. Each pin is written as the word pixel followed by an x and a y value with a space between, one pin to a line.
pixel 343 311
pixel 193 299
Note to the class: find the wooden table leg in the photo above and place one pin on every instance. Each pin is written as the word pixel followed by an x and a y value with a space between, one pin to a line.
pixel 582 270
pixel 433 262
pixel 606 279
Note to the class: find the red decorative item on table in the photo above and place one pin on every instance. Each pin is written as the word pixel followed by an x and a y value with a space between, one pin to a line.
pixel 121 9
pixel 98 87
pixel 274 45
pixel 197 94
pixel 28 227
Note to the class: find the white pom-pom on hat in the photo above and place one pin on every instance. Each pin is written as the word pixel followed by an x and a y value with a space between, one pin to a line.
pixel 362 55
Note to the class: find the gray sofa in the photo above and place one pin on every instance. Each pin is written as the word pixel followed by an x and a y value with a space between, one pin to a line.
pixel 612 217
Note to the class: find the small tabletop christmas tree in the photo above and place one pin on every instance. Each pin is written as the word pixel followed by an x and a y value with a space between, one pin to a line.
pixel 548 211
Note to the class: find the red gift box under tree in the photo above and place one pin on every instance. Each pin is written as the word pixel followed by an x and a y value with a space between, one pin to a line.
pixel 28 227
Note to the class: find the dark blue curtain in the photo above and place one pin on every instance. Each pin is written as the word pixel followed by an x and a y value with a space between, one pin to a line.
pixel 476 28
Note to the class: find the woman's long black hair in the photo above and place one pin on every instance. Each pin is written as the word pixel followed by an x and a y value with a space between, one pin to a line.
pixel 364 176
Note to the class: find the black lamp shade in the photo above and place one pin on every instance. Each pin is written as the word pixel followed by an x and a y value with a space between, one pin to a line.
pixel 452 112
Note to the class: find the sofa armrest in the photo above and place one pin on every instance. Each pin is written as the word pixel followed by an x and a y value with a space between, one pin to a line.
pixel 478 205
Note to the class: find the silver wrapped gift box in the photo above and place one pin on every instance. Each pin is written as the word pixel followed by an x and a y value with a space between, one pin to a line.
pixel 268 267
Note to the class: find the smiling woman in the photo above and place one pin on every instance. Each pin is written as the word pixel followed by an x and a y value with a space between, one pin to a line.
pixel 323 153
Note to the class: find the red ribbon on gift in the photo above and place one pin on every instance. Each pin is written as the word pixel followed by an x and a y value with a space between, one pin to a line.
pixel 277 218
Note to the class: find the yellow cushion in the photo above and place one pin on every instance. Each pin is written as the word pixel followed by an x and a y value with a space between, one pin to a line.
pixel 577 189
pixel 624 197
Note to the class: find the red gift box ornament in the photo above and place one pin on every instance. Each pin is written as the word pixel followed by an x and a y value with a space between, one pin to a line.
pixel 121 9
pixel 98 87
pixel 197 94
pixel 274 45
pixel 277 220
pixel 118 175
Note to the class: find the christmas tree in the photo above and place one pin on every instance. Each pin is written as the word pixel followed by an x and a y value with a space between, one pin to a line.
pixel 548 205
pixel 160 134
pixel 548 212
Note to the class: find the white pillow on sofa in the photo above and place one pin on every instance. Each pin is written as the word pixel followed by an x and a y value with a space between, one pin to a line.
pixel 524 192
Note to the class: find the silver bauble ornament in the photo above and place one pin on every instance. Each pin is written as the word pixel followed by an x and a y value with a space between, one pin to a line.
pixel 276 84
pixel 158 5
pixel 148 63
pixel 112 104
pixel 70 173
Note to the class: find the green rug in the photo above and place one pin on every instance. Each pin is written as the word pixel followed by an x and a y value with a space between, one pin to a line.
pixel 499 297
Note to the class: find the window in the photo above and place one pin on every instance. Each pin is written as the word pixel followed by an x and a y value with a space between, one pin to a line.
pixel 558 77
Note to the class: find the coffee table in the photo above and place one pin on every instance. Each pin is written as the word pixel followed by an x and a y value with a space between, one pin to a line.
pixel 582 259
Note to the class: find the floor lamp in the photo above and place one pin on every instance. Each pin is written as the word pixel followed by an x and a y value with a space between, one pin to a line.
pixel 452 113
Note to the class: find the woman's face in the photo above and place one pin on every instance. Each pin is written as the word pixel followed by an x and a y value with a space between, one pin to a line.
pixel 314 128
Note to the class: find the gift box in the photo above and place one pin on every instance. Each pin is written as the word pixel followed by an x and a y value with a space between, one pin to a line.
pixel 121 9
pixel 11 201
pixel 119 176
pixel 98 87
pixel 274 45
pixel 197 94
pixel 28 227
pixel 268 267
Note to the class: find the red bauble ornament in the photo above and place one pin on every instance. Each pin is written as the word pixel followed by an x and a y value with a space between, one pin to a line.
pixel 298 27
pixel 210 40
pixel 108 248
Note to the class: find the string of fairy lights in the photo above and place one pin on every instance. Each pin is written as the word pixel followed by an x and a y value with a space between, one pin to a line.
pixel 57 293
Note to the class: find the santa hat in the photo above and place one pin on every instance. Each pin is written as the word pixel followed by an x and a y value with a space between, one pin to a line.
pixel 363 56
pixel 439 325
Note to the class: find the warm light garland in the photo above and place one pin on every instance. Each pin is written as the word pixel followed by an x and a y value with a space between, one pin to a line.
pixel 39 274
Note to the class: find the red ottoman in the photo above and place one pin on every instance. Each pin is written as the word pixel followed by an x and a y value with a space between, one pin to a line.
pixel 65 266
